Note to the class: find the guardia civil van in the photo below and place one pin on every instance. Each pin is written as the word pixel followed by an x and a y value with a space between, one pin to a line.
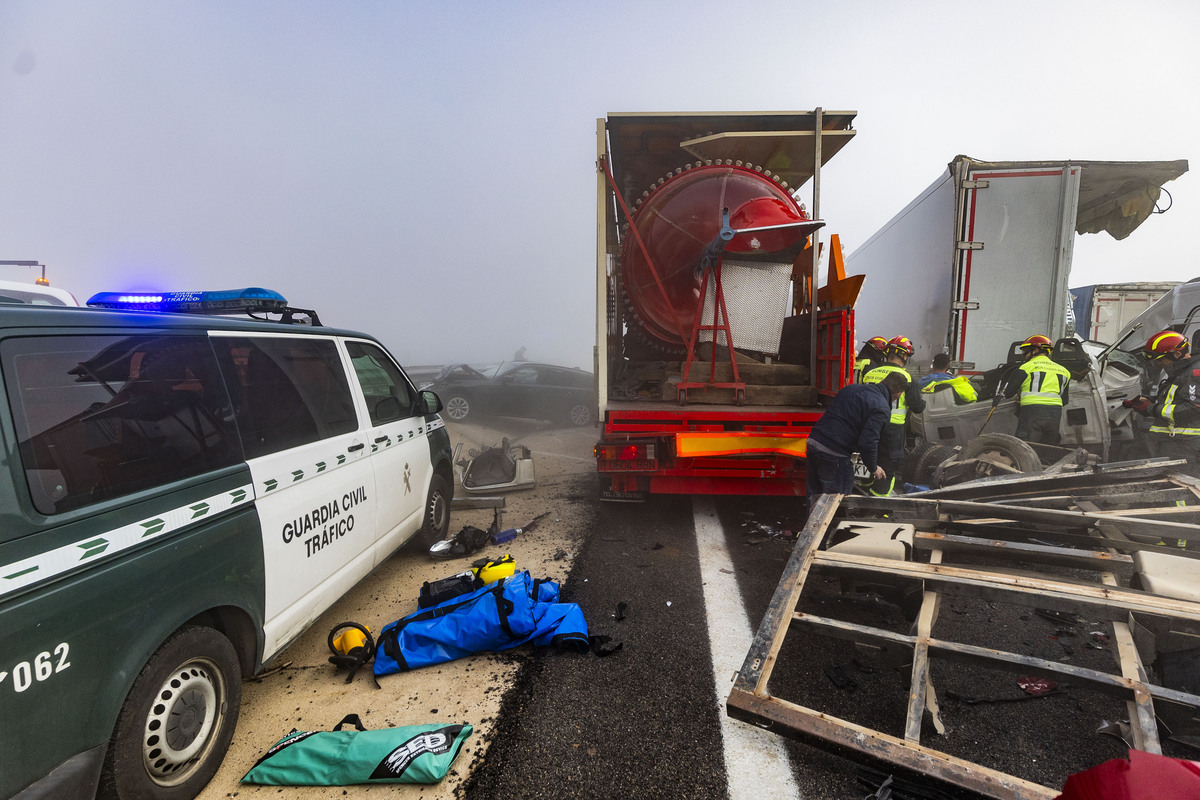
pixel 182 495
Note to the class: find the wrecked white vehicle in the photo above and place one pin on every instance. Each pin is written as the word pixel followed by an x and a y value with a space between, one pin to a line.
pixel 1094 418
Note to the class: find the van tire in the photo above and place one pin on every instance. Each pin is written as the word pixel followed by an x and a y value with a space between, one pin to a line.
pixel 437 512
pixel 167 750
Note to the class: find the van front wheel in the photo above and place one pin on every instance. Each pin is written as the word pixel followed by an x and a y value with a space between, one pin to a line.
pixel 178 719
pixel 437 512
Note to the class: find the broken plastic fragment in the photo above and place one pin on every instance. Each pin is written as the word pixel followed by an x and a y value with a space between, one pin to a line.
pixel 1118 728
pixel 1036 686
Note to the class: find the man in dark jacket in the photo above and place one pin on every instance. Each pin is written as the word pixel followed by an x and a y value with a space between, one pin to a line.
pixel 852 424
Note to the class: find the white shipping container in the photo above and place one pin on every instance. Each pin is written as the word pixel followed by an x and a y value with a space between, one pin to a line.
pixel 981 259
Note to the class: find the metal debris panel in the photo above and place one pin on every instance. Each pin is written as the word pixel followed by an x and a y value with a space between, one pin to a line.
pixel 1080 548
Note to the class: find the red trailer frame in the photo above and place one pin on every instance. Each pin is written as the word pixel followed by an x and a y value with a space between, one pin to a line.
pixel 680 442
pixel 753 450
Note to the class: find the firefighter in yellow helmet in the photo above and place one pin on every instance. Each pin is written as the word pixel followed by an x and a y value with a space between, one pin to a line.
pixel 872 354
pixel 891 444
pixel 1042 386
pixel 1175 430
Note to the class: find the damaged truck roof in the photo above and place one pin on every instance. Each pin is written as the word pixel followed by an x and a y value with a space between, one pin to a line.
pixel 1114 196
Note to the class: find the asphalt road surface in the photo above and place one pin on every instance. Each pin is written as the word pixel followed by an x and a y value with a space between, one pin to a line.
pixel 681 584
pixel 649 720
pixel 646 722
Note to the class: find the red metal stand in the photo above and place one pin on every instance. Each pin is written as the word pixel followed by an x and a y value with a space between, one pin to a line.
pixel 720 323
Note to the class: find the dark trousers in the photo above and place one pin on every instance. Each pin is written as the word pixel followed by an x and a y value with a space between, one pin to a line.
pixel 891 456
pixel 1179 446
pixel 1037 423
pixel 828 474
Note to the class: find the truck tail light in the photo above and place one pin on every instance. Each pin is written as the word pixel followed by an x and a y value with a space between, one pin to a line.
pixel 626 451
pixel 625 457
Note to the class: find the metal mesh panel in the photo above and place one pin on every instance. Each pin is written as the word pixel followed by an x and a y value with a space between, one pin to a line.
pixel 757 295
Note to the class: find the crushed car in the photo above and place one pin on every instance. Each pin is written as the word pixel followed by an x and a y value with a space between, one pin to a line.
pixel 1095 418
pixel 517 389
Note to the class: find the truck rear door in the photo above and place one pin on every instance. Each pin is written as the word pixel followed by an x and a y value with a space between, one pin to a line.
pixel 1016 232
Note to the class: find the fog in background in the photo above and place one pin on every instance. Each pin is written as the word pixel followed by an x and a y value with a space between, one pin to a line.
pixel 425 171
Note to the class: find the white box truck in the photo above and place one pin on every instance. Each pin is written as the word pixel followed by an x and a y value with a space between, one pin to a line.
pixel 1102 311
pixel 982 257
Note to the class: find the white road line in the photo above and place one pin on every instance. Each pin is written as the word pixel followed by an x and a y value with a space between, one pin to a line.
pixel 756 762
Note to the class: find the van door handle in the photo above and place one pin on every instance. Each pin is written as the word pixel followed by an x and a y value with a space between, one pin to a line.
pixel 355 447
pixel 381 439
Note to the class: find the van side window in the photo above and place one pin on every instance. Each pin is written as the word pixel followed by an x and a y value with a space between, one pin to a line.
pixel 288 391
pixel 103 416
pixel 388 394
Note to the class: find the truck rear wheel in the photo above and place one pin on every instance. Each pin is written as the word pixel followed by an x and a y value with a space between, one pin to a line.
pixel 178 719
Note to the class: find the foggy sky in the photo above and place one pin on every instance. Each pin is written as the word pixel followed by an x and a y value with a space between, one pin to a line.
pixel 424 171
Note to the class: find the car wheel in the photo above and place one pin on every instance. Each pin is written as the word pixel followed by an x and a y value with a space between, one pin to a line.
pixel 580 414
pixel 178 719
pixel 458 407
pixel 437 512
pixel 1008 453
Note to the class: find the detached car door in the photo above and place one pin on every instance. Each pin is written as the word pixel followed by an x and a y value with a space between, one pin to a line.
pixel 313 483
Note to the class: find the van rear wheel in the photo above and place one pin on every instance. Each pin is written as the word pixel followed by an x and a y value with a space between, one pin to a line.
pixel 178 719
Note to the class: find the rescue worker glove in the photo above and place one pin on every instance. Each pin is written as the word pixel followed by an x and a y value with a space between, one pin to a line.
pixel 1140 404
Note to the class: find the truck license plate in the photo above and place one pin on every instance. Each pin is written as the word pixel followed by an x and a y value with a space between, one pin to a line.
pixel 627 465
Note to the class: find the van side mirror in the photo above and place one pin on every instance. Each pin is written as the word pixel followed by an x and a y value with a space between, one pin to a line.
pixel 430 402
pixel 387 410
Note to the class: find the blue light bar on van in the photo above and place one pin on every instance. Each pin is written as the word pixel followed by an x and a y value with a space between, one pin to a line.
pixel 192 302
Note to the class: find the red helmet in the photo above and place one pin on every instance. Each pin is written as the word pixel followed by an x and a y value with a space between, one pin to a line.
pixel 1037 342
pixel 1164 343
pixel 878 343
pixel 900 344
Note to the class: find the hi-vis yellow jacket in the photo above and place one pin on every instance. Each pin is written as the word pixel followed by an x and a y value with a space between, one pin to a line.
pixel 909 398
pixel 1043 382
pixel 961 385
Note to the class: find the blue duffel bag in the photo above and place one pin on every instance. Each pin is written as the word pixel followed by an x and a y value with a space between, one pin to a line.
pixel 503 614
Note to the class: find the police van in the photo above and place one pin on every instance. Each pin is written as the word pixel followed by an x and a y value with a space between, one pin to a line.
pixel 184 494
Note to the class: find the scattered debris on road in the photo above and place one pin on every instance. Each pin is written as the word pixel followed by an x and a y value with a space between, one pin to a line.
pixel 1107 549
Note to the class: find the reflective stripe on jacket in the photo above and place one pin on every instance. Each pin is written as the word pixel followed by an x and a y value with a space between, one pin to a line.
pixel 900 406
pixel 1045 382
pixel 1169 409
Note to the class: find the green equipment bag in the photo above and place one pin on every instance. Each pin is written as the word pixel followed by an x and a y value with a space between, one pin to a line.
pixel 408 754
